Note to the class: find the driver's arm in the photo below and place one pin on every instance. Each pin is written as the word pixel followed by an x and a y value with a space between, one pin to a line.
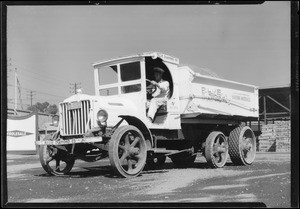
pixel 151 85
pixel 163 86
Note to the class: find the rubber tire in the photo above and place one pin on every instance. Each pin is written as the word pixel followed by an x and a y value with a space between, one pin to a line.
pixel 113 156
pixel 48 169
pixel 150 163
pixel 209 152
pixel 234 141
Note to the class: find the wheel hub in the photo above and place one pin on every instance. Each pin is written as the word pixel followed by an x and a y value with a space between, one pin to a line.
pixel 220 149
pixel 133 151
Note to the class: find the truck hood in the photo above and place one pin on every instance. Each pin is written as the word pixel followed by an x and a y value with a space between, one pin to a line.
pixel 103 100
pixel 114 105
pixel 78 97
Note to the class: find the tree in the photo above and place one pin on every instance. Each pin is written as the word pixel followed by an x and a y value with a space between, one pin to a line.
pixel 52 109
pixel 44 107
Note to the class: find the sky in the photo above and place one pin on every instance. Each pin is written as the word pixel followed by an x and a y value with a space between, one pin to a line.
pixel 53 46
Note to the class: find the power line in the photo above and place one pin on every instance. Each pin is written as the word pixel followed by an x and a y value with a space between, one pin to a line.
pixel 46 84
pixel 39 91
pixel 44 77
pixel 26 68
pixel 23 103
pixel 48 80
pixel 36 100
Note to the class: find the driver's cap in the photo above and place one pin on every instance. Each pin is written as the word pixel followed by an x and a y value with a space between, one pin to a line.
pixel 158 69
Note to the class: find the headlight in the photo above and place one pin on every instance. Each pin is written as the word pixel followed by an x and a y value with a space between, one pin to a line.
pixel 102 116
pixel 55 120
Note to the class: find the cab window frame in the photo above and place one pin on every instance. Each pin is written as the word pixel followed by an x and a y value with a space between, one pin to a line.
pixel 121 84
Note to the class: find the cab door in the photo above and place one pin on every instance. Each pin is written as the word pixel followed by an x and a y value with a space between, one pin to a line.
pixel 132 85
pixel 168 117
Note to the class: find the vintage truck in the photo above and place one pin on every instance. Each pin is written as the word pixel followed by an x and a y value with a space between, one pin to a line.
pixel 204 114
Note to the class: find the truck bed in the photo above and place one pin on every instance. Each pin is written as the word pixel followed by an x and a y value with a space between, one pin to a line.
pixel 210 96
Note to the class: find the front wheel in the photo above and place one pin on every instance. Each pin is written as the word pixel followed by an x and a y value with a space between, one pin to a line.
pixel 127 151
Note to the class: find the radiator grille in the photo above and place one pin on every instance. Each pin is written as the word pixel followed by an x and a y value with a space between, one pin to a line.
pixel 75 121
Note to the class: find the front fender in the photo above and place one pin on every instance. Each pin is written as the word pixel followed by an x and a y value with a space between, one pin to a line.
pixel 134 121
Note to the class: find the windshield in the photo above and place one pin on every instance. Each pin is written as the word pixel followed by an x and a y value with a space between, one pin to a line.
pixel 127 76
pixel 108 75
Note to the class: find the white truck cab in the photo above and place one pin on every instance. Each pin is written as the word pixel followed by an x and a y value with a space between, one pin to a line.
pixel 125 80
pixel 203 114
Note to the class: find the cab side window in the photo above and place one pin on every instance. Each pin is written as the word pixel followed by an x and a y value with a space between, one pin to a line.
pixel 131 88
pixel 108 91
pixel 130 71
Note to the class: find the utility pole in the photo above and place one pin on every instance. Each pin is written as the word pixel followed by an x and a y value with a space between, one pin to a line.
pixel 31 95
pixel 16 92
pixel 74 87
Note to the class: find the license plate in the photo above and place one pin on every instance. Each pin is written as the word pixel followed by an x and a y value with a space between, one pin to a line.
pixel 74 106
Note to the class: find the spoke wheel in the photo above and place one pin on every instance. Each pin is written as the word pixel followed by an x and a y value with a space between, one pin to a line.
pixel 216 149
pixel 127 151
pixel 242 145
pixel 52 163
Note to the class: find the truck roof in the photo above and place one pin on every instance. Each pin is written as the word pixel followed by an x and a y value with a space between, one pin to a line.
pixel 202 71
pixel 154 55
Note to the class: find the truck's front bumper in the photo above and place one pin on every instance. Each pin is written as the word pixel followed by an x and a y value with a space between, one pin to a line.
pixel 70 141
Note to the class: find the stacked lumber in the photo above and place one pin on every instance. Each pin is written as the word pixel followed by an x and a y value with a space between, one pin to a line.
pixel 283 136
pixel 275 137
pixel 267 140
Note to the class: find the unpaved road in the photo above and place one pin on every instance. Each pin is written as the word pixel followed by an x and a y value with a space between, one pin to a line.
pixel 267 180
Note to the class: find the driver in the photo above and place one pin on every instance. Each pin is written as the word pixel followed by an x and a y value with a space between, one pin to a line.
pixel 163 89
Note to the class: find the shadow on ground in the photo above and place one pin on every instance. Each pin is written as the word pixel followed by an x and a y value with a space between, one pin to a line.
pixel 108 172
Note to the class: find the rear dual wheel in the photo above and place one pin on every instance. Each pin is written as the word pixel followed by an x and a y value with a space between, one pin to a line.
pixel 242 145
pixel 127 151
pixel 216 149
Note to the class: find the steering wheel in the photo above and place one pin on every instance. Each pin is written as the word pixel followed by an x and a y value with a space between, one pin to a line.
pixel 150 88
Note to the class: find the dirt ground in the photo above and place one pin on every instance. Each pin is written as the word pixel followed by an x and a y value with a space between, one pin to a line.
pixel 267 180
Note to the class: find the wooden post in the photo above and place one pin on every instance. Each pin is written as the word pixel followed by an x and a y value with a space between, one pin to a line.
pixel 265 110
pixel 16 92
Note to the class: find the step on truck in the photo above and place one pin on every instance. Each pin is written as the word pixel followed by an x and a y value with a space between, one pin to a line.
pixel 203 114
